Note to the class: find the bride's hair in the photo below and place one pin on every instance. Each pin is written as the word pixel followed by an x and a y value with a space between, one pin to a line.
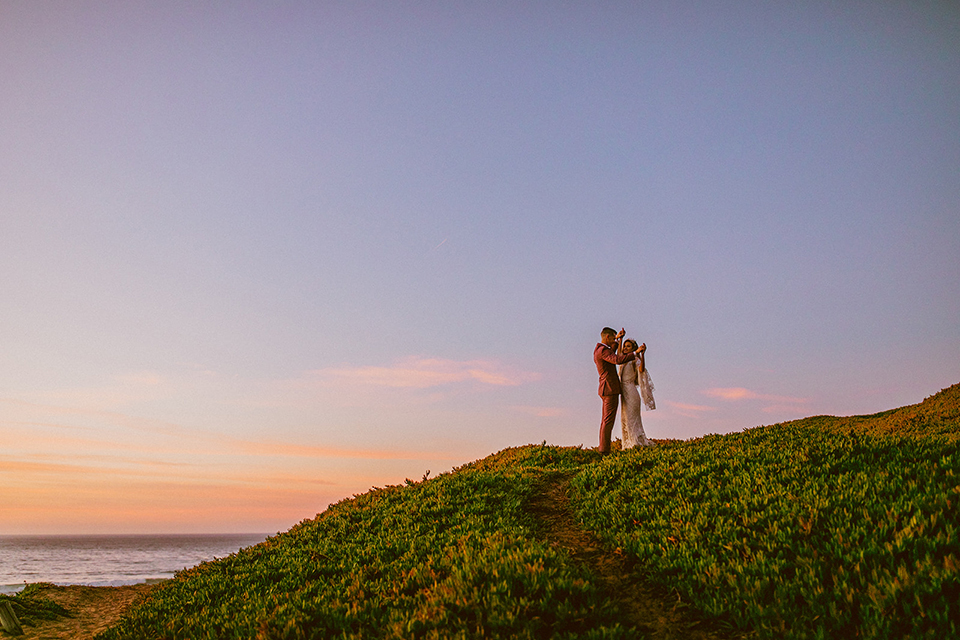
pixel 631 341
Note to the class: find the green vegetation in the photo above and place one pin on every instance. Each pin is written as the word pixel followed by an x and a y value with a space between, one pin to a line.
pixel 32 608
pixel 455 556
pixel 818 528
pixel 793 531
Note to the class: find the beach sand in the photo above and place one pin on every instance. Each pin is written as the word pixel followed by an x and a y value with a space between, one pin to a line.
pixel 92 610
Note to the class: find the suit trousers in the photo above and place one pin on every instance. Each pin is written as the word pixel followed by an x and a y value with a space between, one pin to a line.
pixel 610 404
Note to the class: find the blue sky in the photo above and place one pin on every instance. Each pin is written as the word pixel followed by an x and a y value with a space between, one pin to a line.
pixel 258 257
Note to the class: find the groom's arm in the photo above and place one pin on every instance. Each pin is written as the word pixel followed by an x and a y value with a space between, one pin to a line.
pixel 615 358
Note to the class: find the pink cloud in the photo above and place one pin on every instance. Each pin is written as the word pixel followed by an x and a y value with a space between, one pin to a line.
pixel 688 410
pixel 739 393
pixel 424 373
pixel 265 448
pixel 778 404
pixel 690 407
pixel 730 393
pixel 542 412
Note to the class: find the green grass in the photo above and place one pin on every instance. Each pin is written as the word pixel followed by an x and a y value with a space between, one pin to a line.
pixel 31 608
pixel 818 528
pixel 452 557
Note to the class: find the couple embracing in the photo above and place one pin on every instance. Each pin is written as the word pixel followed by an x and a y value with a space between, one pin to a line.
pixel 613 350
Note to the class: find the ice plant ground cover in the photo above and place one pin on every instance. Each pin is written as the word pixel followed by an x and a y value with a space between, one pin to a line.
pixel 823 527
pixel 30 608
pixel 819 528
pixel 455 556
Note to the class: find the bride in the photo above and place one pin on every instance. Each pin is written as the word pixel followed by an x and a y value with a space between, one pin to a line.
pixel 632 375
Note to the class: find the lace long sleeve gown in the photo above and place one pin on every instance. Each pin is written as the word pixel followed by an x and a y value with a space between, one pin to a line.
pixel 630 422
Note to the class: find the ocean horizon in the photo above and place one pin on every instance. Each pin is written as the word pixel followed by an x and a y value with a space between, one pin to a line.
pixel 110 560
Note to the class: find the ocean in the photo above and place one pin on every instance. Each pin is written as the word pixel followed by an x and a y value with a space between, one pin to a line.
pixel 109 560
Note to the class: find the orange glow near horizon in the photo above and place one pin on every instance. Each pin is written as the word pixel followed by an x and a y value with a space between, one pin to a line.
pixel 63 472
pixel 61 497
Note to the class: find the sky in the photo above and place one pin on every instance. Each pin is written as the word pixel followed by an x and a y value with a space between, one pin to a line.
pixel 258 257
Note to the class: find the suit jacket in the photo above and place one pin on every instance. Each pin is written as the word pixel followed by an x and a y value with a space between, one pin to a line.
pixel 607 361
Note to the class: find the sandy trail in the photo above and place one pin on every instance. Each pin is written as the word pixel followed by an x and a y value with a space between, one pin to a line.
pixel 640 608
pixel 92 609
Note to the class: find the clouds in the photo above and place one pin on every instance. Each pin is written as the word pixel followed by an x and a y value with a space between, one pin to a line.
pixel 774 403
pixel 287 449
pixel 125 447
pixel 380 256
pixel 726 409
pixel 79 469
pixel 730 393
pixel 689 410
pixel 418 372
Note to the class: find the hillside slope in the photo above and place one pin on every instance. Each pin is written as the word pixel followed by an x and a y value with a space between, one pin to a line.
pixel 937 415
pixel 824 527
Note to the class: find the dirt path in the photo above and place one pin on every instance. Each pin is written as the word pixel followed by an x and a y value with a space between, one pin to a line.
pixel 92 609
pixel 641 608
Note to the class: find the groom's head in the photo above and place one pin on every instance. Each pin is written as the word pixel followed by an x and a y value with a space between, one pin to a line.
pixel 608 336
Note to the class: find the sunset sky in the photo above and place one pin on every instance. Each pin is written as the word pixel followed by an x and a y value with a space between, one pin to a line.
pixel 257 257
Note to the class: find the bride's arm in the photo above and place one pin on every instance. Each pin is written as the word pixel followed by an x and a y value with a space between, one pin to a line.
pixel 641 366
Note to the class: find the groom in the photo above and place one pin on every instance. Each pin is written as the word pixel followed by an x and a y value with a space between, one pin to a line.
pixel 606 358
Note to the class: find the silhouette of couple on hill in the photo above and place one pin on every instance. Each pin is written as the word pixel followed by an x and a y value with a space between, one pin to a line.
pixel 625 387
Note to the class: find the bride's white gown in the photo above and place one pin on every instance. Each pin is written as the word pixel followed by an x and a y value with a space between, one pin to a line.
pixel 630 401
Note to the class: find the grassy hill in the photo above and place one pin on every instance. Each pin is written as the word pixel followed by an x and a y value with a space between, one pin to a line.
pixel 818 528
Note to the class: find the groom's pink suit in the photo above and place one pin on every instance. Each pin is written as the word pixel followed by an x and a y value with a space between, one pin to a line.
pixel 607 360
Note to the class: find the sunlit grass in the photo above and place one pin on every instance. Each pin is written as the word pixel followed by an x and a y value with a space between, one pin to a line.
pixel 454 556
pixel 32 608
pixel 819 528
pixel 825 527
